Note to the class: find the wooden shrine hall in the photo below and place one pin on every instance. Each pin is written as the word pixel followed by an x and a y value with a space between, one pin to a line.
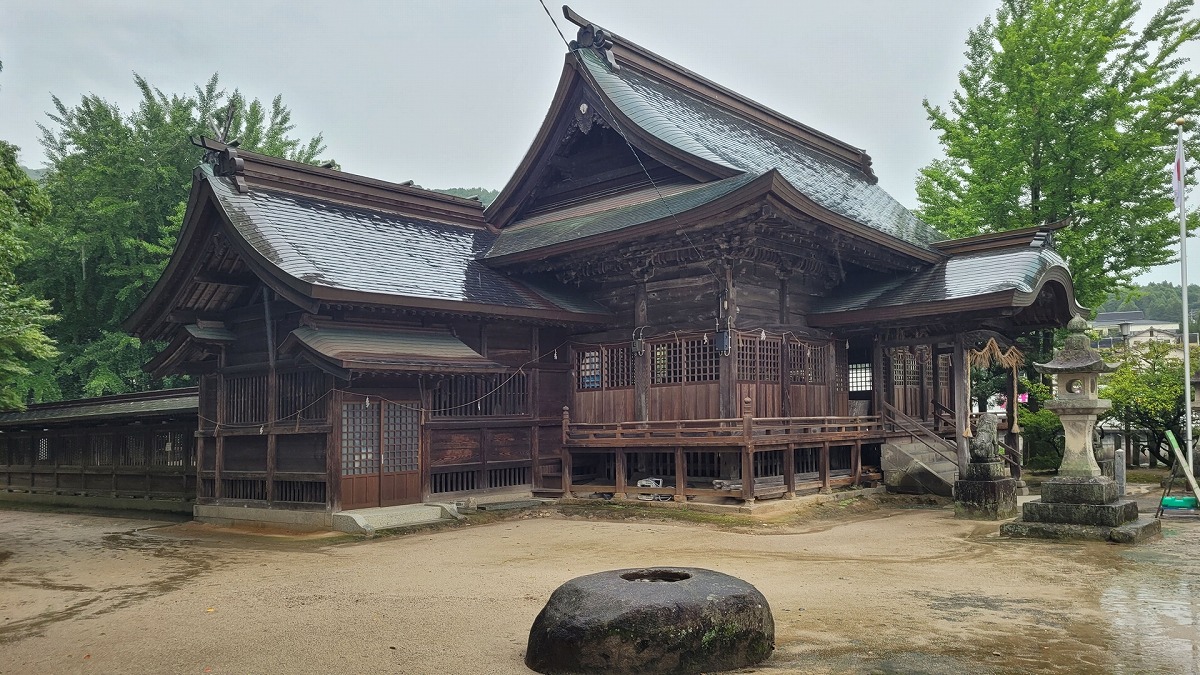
pixel 678 287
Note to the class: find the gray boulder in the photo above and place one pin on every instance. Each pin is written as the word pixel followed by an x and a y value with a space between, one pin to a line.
pixel 654 620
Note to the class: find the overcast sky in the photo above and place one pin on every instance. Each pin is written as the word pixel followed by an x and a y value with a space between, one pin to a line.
pixel 450 93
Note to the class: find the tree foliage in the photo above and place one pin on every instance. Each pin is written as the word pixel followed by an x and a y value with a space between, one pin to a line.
pixel 1159 301
pixel 486 196
pixel 1147 392
pixel 117 181
pixel 23 317
pixel 1065 110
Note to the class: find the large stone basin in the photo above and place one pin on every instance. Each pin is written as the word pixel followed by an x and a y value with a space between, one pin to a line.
pixel 652 620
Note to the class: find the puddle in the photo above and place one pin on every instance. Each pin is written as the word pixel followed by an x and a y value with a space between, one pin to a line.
pixel 1154 608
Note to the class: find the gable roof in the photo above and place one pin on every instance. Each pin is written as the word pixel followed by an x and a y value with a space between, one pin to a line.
pixel 674 115
pixel 689 122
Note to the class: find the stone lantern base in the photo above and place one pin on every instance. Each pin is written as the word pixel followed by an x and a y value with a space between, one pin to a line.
pixel 1082 508
pixel 986 493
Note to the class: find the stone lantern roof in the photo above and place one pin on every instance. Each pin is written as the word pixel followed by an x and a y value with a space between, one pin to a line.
pixel 1077 355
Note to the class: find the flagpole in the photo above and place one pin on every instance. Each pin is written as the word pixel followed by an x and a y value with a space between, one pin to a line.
pixel 1183 273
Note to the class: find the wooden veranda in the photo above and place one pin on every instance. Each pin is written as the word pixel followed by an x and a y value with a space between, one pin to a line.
pixel 714 457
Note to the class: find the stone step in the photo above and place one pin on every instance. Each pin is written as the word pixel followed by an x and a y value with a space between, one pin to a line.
pixel 372 520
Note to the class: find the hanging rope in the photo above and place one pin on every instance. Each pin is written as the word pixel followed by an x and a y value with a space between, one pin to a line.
pixel 991 355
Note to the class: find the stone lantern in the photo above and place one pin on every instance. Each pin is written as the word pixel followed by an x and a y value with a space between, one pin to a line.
pixel 1076 369
pixel 1080 503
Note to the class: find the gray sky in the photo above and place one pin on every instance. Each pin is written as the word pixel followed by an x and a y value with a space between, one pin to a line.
pixel 450 93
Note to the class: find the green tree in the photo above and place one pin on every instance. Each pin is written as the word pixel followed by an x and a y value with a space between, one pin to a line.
pixel 1146 391
pixel 117 182
pixel 486 196
pixel 1065 110
pixel 23 318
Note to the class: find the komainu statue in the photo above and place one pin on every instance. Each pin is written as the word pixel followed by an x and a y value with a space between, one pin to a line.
pixel 985 445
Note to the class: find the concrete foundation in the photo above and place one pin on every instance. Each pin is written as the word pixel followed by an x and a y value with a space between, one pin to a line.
pixel 241 516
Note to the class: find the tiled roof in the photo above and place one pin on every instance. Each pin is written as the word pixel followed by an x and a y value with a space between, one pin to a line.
pixel 371 349
pixel 706 130
pixel 150 404
pixel 541 232
pixel 1013 269
pixel 343 247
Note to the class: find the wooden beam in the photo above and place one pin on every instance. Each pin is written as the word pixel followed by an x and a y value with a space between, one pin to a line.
pixel 224 279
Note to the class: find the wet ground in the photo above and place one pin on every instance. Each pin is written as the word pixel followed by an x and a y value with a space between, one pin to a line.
pixel 855 587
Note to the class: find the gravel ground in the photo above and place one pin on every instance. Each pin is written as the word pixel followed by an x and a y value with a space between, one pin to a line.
pixel 856 587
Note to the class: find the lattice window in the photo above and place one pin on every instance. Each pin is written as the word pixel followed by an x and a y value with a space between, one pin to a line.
pixel 401 437
pixel 482 395
pixel 703 361
pixel 360 439
pixel 841 366
pixel 912 375
pixel 133 451
pixel 101 446
pixel 758 359
pixel 897 359
pixel 667 364
pixel 43 449
pixel 245 399
pixel 798 362
pixel 768 360
pixel 747 359
pixel 859 376
pixel 169 449
pixel 818 363
pixel 300 395
pixel 618 367
pixel 588 369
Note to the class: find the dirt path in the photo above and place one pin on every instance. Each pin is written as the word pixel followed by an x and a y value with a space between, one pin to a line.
pixel 881 590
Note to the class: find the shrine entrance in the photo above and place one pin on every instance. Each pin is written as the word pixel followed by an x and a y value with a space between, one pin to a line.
pixel 381 453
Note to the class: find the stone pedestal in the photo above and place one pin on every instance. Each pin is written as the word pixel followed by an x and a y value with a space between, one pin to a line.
pixel 986 492
pixel 1074 507
pixel 985 499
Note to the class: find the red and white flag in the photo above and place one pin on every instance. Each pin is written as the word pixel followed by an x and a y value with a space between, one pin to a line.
pixel 1178 169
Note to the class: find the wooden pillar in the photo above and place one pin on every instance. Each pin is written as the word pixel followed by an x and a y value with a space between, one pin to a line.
pixel 1014 428
pixel 825 468
pixel 961 379
pixel 218 436
pixel 856 462
pixel 878 378
pixel 789 470
pixel 532 404
pixel 747 450
pixel 728 364
pixel 619 475
pixel 680 474
pixel 566 452
pixel 641 364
